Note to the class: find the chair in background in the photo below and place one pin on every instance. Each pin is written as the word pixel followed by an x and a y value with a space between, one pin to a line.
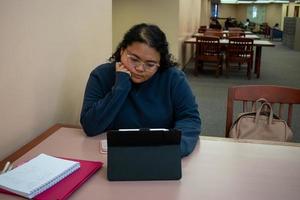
pixel 240 50
pixel 265 29
pixel 235 29
pixel 214 33
pixel 278 96
pixel 202 29
pixel 276 34
pixel 236 34
pixel 208 49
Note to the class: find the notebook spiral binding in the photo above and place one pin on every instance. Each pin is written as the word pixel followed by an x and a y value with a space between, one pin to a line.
pixel 55 180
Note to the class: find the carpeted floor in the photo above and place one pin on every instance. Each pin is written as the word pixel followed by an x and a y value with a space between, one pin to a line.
pixel 279 66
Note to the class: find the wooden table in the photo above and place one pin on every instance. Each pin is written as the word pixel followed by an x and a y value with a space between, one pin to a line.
pixel 219 168
pixel 246 32
pixel 251 36
pixel 257 43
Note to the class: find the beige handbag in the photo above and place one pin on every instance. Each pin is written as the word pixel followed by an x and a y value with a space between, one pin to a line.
pixel 261 125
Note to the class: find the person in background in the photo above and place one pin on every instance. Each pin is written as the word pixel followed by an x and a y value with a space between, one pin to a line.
pixel 214 23
pixel 275 32
pixel 227 23
pixel 247 23
pixel 276 26
pixel 141 88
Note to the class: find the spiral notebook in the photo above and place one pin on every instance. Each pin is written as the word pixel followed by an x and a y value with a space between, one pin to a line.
pixel 37 175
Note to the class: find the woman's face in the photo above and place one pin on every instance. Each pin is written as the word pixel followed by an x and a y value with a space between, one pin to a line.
pixel 141 60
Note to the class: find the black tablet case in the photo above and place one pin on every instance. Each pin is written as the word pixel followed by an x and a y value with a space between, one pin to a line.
pixel 143 155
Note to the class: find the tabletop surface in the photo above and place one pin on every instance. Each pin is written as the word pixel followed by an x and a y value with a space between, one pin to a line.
pixel 252 36
pixel 217 169
pixel 227 31
pixel 225 41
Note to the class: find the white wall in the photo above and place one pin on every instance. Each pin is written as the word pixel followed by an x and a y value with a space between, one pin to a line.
pixel 228 10
pixel 48 49
pixel 273 14
pixel 205 12
pixel 189 22
pixel 162 13
pixel 179 19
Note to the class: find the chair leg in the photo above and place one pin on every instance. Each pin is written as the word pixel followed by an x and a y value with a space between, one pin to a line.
pixel 196 67
pixel 200 68
pixel 227 69
pixel 218 70
pixel 249 70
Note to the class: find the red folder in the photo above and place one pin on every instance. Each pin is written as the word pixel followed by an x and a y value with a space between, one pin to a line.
pixel 63 189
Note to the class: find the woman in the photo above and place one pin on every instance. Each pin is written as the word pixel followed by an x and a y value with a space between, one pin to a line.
pixel 141 88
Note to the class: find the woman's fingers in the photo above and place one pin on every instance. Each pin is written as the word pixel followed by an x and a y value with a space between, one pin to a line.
pixel 121 68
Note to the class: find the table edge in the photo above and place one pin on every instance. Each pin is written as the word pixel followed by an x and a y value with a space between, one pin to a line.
pixel 267 142
pixel 34 142
pixel 40 138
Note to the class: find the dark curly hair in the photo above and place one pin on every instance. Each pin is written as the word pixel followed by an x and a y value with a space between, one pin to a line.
pixel 152 36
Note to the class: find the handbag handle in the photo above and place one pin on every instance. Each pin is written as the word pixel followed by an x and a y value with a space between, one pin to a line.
pixel 260 100
pixel 259 111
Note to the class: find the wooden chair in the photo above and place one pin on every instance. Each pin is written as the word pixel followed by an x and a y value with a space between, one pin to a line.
pixel 276 34
pixel 214 33
pixel 202 29
pixel 278 96
pixel 236 34
pixel 240 50
pixel 208 49
pixel 235 29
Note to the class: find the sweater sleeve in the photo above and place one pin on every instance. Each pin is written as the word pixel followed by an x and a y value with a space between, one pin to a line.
pixel 101 107
pixel 186 115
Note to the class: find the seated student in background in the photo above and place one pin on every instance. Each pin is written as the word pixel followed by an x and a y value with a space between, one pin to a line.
pixel 276 26
pixel 214 23
pixel 276 33
pixel 247 23
pixel 141 88
pixel 228 23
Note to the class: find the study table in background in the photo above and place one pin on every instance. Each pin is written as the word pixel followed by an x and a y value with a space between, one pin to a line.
pixel 257 43
pixel 219 168
pixel 251 36
pixel 246 32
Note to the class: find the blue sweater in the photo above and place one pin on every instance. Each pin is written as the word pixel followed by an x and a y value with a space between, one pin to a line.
pixel 113 101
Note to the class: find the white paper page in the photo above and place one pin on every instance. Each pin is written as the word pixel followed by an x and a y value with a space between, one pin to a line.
pixel 36 173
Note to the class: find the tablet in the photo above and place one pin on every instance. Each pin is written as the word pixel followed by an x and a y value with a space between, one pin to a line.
pixel 143 154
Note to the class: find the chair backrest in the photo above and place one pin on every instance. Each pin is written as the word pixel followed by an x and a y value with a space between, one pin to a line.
pixel 208 46
pixel 278 96
pixel 275 33
pixel 215 33
pixel 202 29
pixel 236 34
pixel 239 49
pixel 235 29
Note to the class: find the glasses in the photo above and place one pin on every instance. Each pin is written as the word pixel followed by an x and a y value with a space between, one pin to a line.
pixel 133 61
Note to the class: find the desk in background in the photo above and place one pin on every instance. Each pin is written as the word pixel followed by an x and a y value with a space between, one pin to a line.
pixel 246 32
pixel 251 36
pixel 219 168
pixel 257 43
